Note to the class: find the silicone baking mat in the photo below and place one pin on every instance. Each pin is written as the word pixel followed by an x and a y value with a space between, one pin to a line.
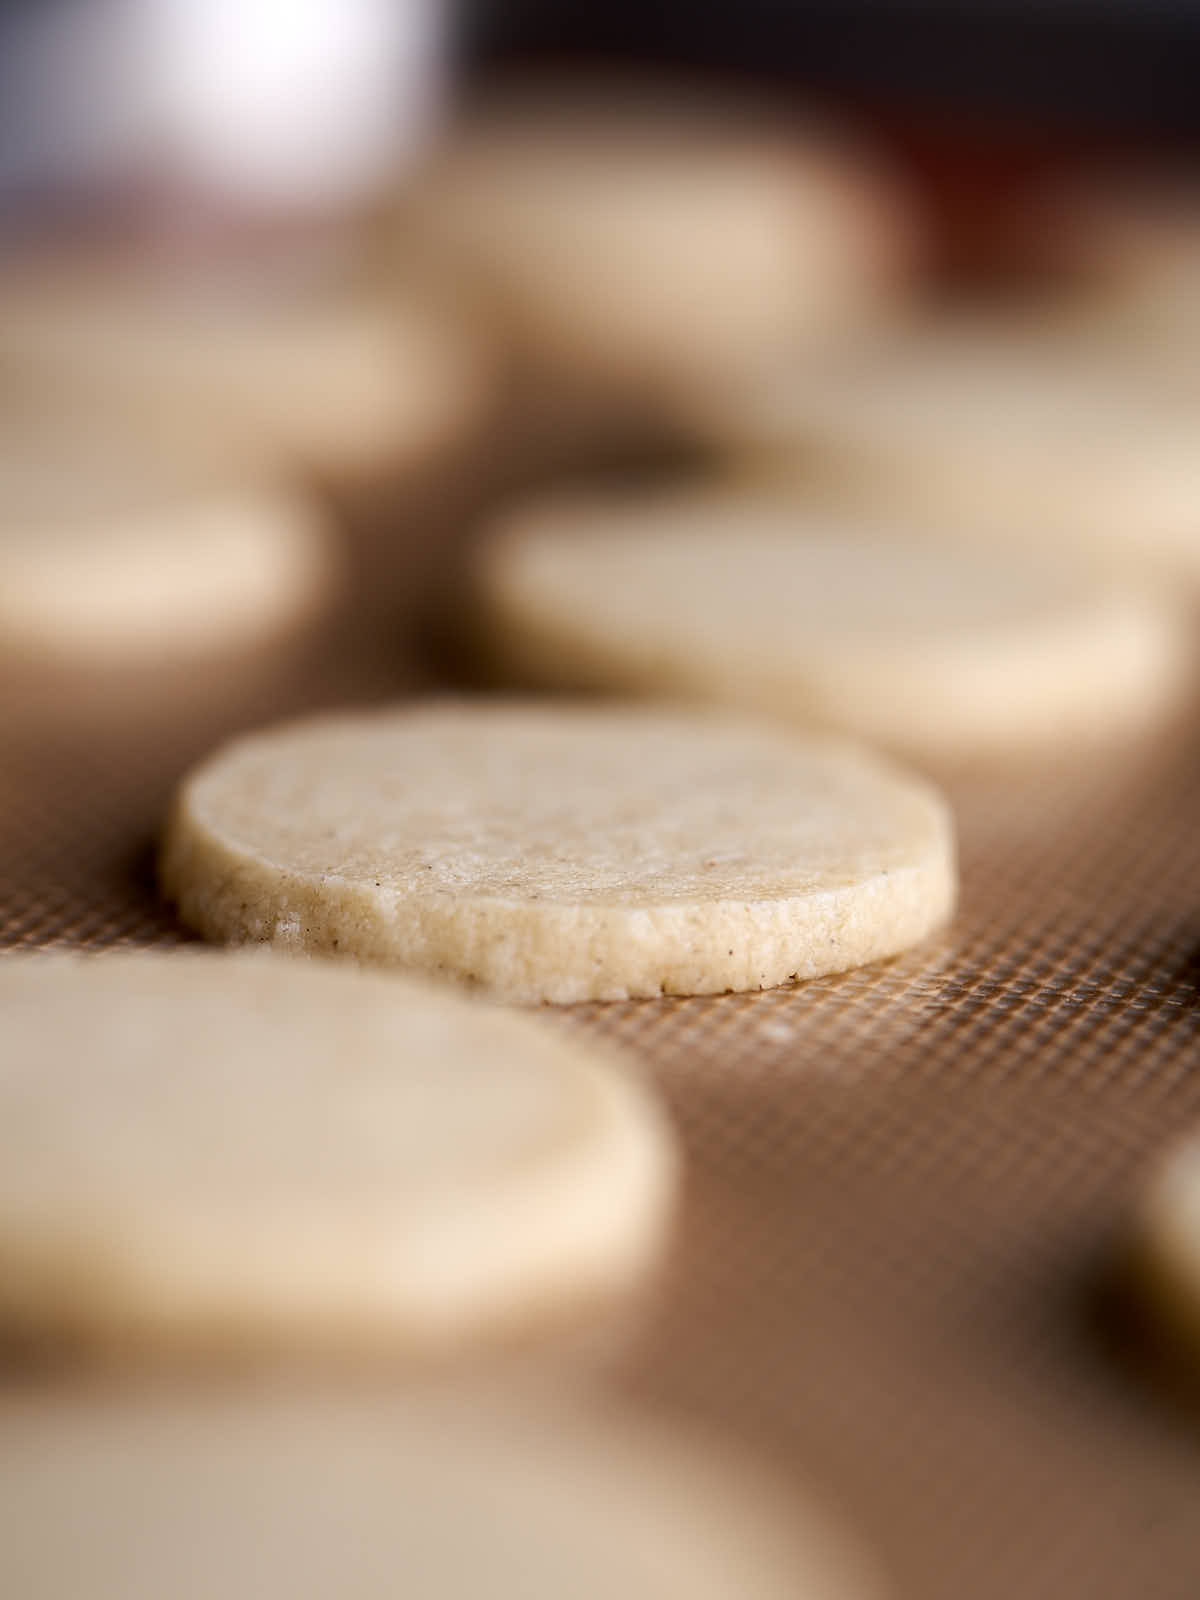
pixel 903 1183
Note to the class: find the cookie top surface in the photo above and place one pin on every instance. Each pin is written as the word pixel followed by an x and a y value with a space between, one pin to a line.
pixel 959 383
pixel 249 1149
pixel 589 848
pixel 746 563
pixel 766 599
pixel 354 1498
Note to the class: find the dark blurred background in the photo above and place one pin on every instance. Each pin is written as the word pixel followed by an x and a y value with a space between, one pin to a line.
pixel 1123 69
pixel 979 102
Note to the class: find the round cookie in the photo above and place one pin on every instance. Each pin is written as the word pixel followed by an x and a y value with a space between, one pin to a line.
pixel 562 853
pixel 218 1151
pixel 370 1497
pixel 652 243
pixel 114 554
pixel 981 434
pixel 314 370
pixel 764 601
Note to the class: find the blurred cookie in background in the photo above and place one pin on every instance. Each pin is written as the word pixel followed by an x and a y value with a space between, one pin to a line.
pixel 369 1496
pixel 305 362
pixel 764 599
pixel 363 386
pixel 634 239
pixel 134 572
pixel 982 431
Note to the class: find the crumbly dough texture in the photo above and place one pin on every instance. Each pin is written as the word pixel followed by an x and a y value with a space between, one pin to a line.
pixel 212 1150
pixel 562 853
pixel 761 599
pixel 986 434
pixel 113 555
pixel 372 1497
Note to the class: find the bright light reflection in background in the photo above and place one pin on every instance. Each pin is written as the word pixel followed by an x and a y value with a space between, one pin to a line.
pixel 269 104
pixel 290 101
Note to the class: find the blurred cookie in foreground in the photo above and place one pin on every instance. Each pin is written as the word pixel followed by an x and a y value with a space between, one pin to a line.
pixel 562 852
pixel 632 241
pixel 368 1497
pixel 986 434
pixel 210 1152
pixel 760 599
pixel 307 365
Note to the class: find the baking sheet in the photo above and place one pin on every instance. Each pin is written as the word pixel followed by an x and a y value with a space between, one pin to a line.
pixel 904 1183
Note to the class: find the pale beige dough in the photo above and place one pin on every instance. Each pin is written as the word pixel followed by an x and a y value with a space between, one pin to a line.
pixel 323 372
pixel 215 1150
pixel 112 554
pixel 1002 437
pixel 761 599
pixel 562 853
pixel 660 241
pixel 370 1498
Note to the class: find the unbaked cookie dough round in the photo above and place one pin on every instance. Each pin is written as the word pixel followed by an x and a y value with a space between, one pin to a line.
pixel 562 853
pixel 996 436
pixel 320 372
pixel 760 599
pixel 112 555
pixel 371 1497
pixel 656 242
pixel 211 1150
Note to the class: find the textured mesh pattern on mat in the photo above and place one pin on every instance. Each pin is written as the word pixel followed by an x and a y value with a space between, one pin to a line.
pixel 902 1181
